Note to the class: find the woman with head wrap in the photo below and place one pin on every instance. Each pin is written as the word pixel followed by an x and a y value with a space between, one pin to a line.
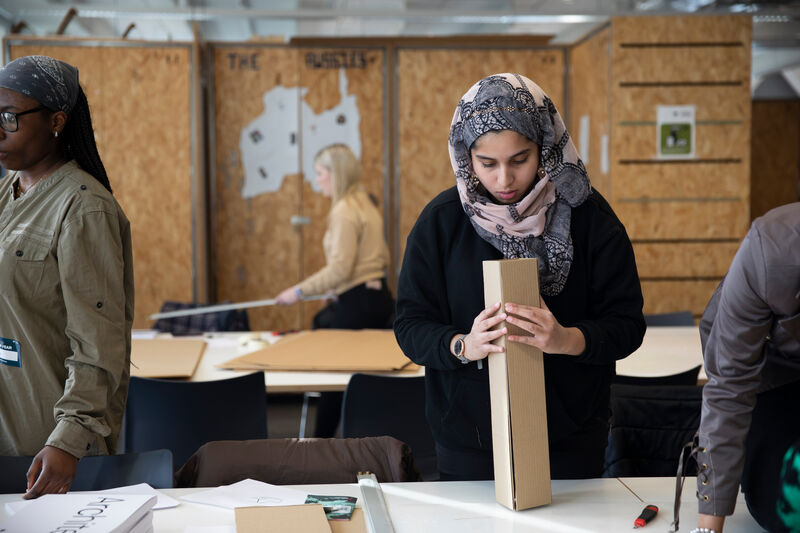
pixel 66 278
pixel 521 191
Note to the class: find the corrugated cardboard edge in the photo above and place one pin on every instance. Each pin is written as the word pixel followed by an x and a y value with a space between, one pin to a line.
pixel 516 383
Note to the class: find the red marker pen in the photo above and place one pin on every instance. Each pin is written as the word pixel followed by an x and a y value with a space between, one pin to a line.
pixel 648 513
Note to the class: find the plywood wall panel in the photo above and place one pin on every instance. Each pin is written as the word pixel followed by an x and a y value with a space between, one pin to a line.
pixel 720 180
pixel 718 141
pixel 684 220
pixel 722 104
pixel 365 80
pixel 775 171
pixel 670 296
pixel 684 259
pixel 709 65
pixel 257 250
pixel 429 86
pixel 140 97
pixel 589 78
pixel 696 29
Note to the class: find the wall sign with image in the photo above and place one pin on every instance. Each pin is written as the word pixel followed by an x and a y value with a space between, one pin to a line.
pixel 676 131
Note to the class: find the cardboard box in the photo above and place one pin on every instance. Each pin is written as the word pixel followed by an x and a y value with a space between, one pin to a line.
pixel 516 384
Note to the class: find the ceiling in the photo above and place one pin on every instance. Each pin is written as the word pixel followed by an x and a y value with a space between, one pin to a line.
pixel 776 24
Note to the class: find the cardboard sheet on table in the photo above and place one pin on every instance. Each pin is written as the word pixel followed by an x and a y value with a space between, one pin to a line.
pixel 287 519
pixel 328 350
pixel 305 518
pixel 165 358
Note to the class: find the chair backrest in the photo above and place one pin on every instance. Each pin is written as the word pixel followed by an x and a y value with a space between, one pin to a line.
pixel 687 377
pixel 298 462
pixel 649 426
pixel 678 318
pixel 13 472
pixel 181 416
pixel 395 406
pixel 231 320
pixel 98 472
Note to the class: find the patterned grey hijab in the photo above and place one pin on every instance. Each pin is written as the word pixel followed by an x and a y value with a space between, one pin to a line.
pixel 51 82
pixel 539 224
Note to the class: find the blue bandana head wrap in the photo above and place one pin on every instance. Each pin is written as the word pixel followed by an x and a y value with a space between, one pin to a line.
pixel 51 82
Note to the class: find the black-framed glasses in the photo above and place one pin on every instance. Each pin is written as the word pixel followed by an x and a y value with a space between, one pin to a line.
pixel 9 121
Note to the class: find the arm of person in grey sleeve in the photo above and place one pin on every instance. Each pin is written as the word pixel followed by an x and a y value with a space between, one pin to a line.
pixel 91 269
pixel 734 360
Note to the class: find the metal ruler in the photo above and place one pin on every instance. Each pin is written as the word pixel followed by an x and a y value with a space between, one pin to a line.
pixel 228 307
pixel 378 520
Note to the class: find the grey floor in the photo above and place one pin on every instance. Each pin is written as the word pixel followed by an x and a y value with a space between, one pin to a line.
pixel 283 415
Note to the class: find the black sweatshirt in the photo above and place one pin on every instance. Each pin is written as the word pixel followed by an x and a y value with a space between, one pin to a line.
pixel 440 292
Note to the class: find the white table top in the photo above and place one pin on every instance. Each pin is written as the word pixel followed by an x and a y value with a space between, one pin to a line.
pixel 592 505
pixel 664 351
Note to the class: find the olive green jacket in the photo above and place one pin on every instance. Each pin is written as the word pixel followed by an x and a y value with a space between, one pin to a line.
pixel 66 310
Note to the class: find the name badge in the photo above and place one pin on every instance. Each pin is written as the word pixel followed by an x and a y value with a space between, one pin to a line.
pixel 9 352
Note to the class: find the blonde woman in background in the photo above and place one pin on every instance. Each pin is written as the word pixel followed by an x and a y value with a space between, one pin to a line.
pixel 357 258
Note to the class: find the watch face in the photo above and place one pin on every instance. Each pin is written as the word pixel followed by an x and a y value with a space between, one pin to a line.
pixel 459 347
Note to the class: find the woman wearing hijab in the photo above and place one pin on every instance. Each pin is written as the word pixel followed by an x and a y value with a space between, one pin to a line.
pixel 66 278
pixel 357 258
pixel 521 191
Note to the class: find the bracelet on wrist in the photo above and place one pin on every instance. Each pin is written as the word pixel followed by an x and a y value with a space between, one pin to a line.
pixel 298 292
pixel 702 530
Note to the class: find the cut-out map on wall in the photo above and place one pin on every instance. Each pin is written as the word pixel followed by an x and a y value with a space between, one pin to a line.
pixel 270 144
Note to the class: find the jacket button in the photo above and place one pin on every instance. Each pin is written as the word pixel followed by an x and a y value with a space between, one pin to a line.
pixel 19 253
pixel 705 482
pixel 705 497
pixel 99 305
pixel 83 187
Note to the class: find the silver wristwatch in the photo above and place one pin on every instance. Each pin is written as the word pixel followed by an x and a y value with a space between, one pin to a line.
pixel 459 348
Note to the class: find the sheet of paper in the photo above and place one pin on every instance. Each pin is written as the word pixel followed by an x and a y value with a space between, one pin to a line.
pixel 247 493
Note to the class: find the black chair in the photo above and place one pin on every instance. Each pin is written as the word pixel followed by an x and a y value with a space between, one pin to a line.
pixel 649 426
pixel 688 377
pixel 395 406
pixel 101 472
pixel 98 472
pixel 181 416
pixel 231 320
pixel 678 318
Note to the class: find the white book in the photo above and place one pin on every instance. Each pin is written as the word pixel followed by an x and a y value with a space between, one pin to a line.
pixel 144 525
pixel 83 511
pixel 162 502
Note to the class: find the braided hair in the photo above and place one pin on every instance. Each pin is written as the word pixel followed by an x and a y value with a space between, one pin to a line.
pixel 79 143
